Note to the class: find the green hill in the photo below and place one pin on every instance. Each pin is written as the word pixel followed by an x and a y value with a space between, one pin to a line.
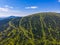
pixel 35 29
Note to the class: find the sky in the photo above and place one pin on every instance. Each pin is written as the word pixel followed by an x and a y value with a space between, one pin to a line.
pixel 27 7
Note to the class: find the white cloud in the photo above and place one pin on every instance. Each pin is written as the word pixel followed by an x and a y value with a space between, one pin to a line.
pixel 31 7
pixel 58 0
pixel 7 6
pixel 9 11
pixel 6 12
pixel 4 9
pixel 12 13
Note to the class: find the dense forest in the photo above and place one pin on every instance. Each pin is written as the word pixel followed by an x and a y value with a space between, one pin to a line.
pixel 35 29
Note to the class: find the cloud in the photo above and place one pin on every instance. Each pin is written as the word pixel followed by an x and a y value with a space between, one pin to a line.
pixel 31 7
pixel 58 0
pixel 13 13
pixel 9 11
pixel 7 6
pixel 4 9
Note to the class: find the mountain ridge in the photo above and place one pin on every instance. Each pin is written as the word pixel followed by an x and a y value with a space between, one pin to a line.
pixel 37 29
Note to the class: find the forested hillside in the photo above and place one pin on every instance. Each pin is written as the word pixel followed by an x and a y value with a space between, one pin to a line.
pixel 35 29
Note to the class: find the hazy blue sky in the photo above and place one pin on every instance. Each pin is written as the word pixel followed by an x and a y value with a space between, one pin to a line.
pixel 25 7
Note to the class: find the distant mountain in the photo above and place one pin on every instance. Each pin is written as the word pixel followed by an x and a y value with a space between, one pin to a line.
pixel 35 29
pixel 12 16
pixel 2 18
pixel 4 22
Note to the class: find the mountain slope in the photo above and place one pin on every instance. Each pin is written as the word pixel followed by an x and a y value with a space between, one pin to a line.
pixel 4 22
pixel 36 29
